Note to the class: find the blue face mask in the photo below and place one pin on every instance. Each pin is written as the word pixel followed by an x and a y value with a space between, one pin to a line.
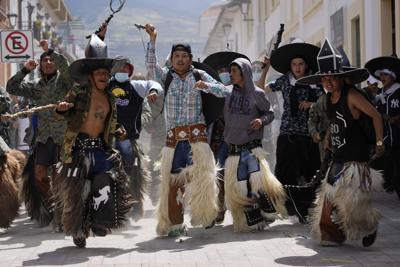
pixel 121 77
pixel 225 78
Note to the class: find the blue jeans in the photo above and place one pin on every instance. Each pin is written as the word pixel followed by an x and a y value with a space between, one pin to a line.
pixel 126 150
pixel 248 164
pixel 222 154
pixel 183 157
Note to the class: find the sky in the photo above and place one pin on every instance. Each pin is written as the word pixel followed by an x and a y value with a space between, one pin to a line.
pixel 175 20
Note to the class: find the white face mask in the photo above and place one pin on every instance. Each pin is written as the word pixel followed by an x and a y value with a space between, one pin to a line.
pixel 256 76
pixel 121 77
pixel 225 78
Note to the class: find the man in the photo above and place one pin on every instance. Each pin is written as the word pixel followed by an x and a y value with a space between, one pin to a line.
pixel 91 188
pixel 343 208
pixel 253 194
pixel 387 69
pixel 220 62
pixel 297 157
pixel 52 87
pixel 129 99
pixel 187 164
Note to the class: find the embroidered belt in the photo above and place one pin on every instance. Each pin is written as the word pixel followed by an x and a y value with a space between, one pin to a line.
pixel 192 133
pixel 83 142
pixel 236 149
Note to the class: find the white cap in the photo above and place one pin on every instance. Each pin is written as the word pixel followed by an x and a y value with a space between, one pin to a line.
pixel 386 71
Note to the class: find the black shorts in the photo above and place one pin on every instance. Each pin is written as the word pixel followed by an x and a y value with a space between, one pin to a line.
pixel 47 154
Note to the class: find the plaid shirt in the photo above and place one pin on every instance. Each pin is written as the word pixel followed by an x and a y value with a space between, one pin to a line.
pixel 183 101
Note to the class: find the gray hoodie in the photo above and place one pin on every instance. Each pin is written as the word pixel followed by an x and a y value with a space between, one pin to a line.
pixel 242 106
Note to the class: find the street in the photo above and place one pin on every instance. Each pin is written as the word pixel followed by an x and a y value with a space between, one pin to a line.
pixel 286 243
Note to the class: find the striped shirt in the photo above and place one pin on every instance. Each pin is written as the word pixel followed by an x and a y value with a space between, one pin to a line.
pixel 183 104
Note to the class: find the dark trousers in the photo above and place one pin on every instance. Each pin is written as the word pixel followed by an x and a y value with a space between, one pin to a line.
pixel 297 156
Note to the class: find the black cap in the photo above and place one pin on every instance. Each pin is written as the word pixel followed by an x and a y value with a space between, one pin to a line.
pixel 181 47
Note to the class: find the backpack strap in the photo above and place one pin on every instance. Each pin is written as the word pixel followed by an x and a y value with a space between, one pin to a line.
pixel 168 80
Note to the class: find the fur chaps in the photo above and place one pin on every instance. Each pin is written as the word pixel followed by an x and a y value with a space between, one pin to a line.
pixel 11 166
pixel 201 190
pixel 31 196
pixel 262 180
pixel 140 177
pixel 351 197
pixel 72 198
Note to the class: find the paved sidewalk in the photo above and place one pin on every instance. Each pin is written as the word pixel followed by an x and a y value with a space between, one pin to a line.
pixel 286 243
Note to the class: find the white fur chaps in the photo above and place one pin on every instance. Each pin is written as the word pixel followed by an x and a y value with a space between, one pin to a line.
pixel 351 197
pixel 263 180
pixel 200 187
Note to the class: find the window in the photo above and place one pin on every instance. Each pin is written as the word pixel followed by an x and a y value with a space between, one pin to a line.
pixel 356 41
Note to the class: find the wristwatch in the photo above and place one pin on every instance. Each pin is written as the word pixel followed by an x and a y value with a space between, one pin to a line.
pixel 379 143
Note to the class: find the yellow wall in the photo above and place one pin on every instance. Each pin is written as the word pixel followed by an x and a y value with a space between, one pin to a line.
pixel 354 10
pixel 386 26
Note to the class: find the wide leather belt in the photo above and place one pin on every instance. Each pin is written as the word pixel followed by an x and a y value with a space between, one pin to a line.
pixel 192 133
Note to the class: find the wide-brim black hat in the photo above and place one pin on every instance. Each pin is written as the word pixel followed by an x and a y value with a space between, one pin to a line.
pixel 330 63
pixel 380 63
pixel 212 106
pixel 81 68
pixel 282 57
pixel 222 59
pixel 201 66
pixel 355 75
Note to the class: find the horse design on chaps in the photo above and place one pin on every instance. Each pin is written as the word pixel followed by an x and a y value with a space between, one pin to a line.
pixel 102 198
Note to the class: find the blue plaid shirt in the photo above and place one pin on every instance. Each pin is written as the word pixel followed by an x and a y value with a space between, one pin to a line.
pixel 183 101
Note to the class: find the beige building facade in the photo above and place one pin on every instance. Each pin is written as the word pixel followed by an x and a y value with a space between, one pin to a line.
pixel 363 28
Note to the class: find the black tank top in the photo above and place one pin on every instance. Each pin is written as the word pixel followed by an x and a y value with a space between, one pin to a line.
pixel 348 140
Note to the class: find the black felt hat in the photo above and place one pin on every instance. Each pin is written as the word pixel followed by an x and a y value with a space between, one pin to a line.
pixel 96 57
pixel 282 57
pixel 376 65
pixel 330 63
pixel 222 59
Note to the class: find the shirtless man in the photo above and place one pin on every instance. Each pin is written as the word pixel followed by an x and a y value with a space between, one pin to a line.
pixel 91 186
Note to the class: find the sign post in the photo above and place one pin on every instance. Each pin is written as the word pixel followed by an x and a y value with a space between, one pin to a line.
pixel 16 45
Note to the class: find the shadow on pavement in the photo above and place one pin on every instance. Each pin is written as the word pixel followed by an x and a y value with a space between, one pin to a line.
pixel 199 237
pixel 73 255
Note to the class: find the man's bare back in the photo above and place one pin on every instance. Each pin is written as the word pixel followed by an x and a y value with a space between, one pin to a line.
pixel 99 110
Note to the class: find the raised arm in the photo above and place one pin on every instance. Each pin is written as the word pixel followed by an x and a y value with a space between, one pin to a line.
pixel 17 86
pixel 154 70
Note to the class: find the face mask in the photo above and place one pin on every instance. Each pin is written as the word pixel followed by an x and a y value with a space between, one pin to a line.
pixel 225 78
pixel 256 76
pixel 121 77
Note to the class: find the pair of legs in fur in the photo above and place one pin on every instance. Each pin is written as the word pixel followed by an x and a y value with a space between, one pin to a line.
pixel 45 157
pixel 92 190
pixel 133 160
pixel 253 195
pixel 188 175
pixel 343 208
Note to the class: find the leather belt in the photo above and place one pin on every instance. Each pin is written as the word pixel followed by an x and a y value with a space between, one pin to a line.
pixel 192 133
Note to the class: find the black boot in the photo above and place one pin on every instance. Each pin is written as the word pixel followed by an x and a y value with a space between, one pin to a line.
pixel 369 239
pixel 80 242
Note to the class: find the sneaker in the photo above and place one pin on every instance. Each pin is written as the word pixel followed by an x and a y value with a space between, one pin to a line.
pixel 369 239
pixel 178 232
pixel 80 242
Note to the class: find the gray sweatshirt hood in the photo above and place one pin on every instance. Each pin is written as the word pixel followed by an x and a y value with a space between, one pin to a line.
pixel 245 66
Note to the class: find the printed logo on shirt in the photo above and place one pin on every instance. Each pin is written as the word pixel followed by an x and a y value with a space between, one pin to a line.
pixel 240 105
pixel 394 103
pixel 121 97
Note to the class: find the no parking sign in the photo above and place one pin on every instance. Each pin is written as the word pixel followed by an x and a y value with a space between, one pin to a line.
pixel 16 45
